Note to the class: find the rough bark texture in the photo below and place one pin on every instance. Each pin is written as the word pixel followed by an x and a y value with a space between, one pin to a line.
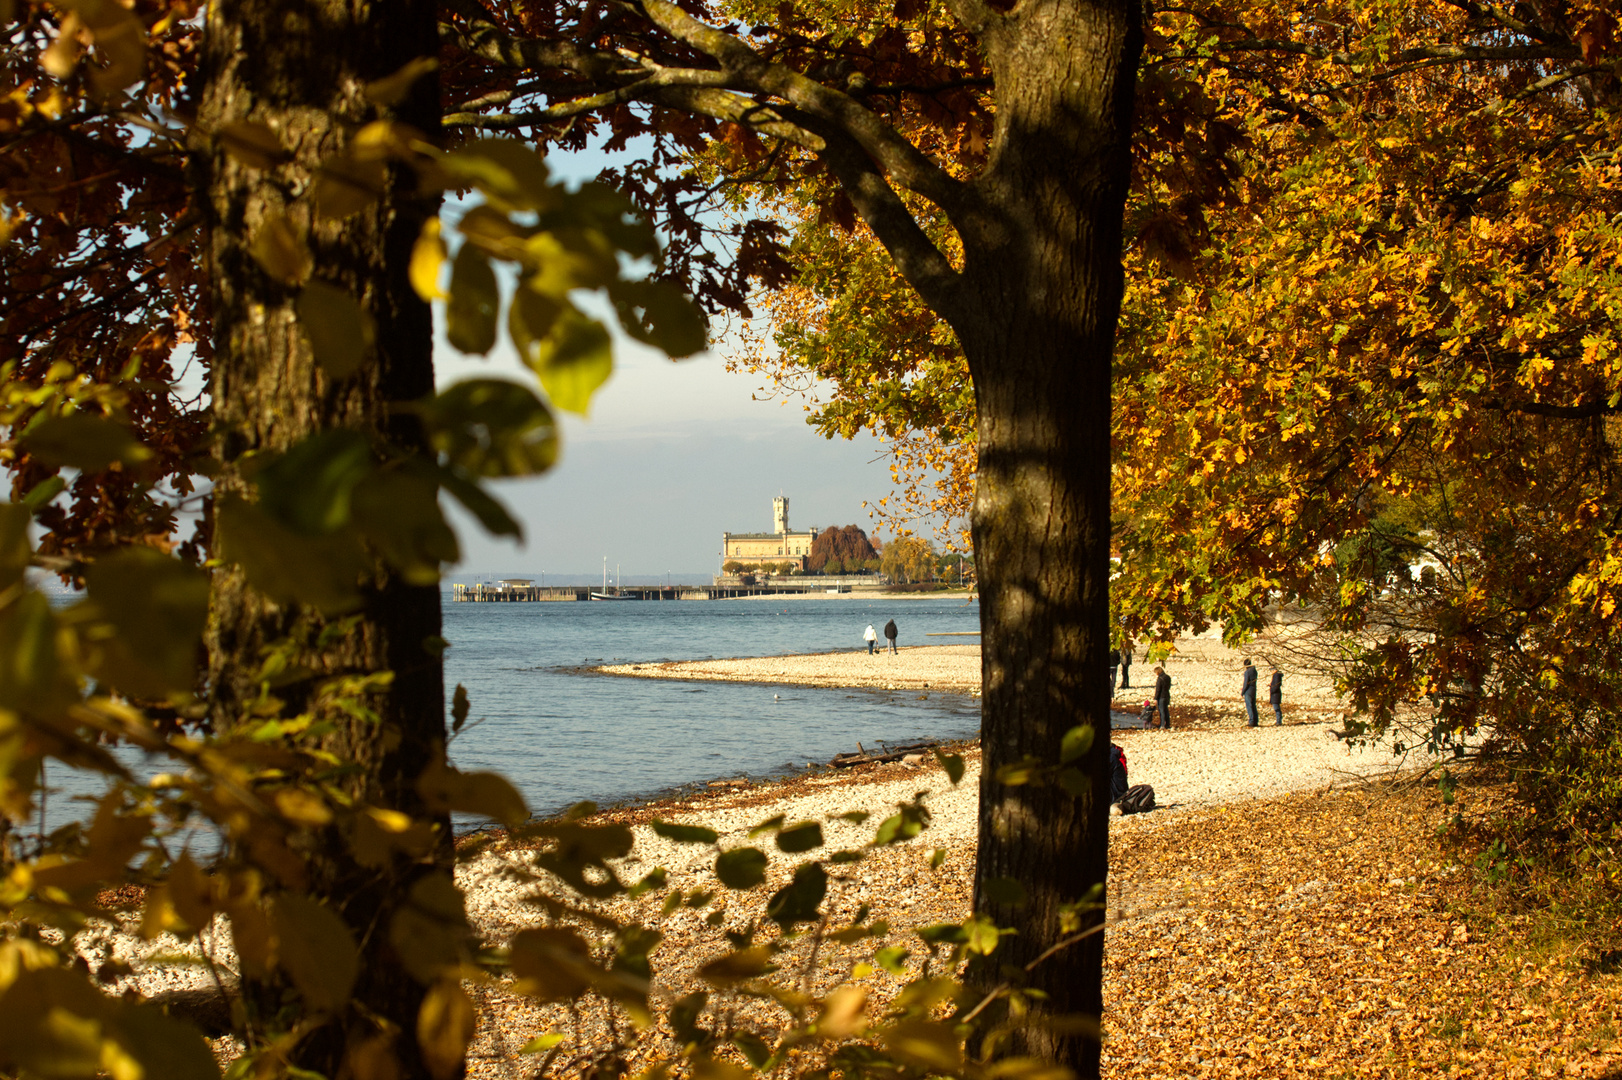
pixel 1043 265
pixel 299 67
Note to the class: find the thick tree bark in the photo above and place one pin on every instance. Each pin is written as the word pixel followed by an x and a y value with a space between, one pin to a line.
pixel 1043 264
pixel 300 67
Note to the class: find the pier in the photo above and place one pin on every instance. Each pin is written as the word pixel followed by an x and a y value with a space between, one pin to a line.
pixel 521 590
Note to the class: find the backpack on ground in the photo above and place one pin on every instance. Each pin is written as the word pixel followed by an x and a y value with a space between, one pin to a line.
pixel 1138 799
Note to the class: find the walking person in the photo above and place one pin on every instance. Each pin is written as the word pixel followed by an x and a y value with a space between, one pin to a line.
pixel 1247 693
pixel 1275 696
pixel 1163 696
pixel 890 632
pixel 1126 665
pixel 871 636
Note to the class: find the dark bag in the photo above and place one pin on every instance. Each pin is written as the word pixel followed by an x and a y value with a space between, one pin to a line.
pixel 1138 799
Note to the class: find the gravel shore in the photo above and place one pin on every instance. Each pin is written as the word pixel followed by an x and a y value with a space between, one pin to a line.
pixel 1205 676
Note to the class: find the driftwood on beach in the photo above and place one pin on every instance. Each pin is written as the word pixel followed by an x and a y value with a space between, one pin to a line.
pixel 879 757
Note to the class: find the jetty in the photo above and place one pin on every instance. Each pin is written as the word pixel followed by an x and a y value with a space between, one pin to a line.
pixel 524 590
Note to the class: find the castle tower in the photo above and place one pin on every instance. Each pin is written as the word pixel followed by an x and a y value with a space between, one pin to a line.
pixel 780 514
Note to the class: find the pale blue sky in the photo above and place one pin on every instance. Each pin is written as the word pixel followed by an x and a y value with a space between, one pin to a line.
pixel 672 455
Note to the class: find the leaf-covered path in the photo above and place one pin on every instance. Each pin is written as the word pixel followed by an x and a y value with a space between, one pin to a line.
pixel 1319 935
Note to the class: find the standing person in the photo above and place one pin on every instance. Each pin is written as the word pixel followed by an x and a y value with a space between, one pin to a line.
pixel 871 636
pixel 1247 693
pixel 1114 666
pixel 1126 665
pixel 1163 696
pixel 889 632
pixel 1275 696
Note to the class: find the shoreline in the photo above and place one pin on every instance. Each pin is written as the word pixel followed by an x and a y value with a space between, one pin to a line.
pixel 1205 678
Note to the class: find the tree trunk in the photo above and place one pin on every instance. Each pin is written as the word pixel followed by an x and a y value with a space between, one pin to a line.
pixel 1045 262
pixel 300 69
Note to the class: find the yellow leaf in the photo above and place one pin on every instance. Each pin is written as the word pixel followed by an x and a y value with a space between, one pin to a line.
pixel 428 255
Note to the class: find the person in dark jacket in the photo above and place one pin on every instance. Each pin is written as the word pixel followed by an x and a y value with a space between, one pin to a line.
pixel 1275 696
pixel 1247 692
pixel 1117 773
pixel 1114 666
pixel 1126 666
pixel 1163 696
pixel 890 633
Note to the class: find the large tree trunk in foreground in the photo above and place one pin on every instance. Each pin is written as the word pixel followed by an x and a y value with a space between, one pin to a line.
pixel 300 69
pixel 1045 265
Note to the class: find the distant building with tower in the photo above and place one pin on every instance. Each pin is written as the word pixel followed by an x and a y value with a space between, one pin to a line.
pixel 779 545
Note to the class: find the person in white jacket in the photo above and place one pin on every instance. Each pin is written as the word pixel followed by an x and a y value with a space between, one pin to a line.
pixel 871 636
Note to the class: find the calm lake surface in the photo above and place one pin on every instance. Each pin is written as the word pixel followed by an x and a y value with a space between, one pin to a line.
pixel 562 736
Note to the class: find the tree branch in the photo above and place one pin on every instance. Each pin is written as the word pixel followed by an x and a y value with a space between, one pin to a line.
pixel 914 253
pixel 1586 411
pixel 749 71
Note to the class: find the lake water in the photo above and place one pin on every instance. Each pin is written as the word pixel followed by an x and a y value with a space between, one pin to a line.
pixel 562 735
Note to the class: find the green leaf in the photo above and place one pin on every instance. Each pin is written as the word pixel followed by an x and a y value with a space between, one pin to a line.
pixel 684 834
pixel 801 899
pixel 573 361
pixel 480 503
pixel 158 605
pixel 346 185
pixel 316 950
pixel 490 795
pixel 530 318
pixel 508 171
pixel 323 571
pixel 491 428
pixel 309 487
pixel 392 89
pixel 51 1023
pixel 735 967
pixel 445 1026
pixel 551 963
pixel 164 1046
pixel 255 145
pixel 932 1047
pixel 1076 742
pixel 43 492
pixel 801 837
pixel 771 824
pixel 615 216
pixel 753 1048
pixel 280 250
pixel 84 442
pixel 341 332
pixel 660 314
pixel 474 300
pixel 398 513
pixel 15 550
pixel 542 1043
pixel 31 674
pixel 953 764
pixel 459 708
pixel 741 868
pixel 892 959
